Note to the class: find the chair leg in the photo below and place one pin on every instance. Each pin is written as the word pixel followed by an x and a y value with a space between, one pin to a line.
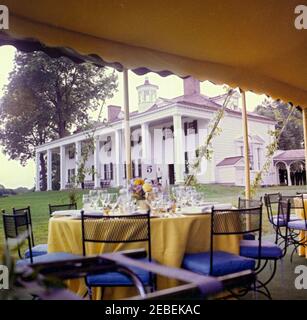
pixel 90 292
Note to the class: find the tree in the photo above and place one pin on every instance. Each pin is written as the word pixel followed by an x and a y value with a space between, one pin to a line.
pixel 47 99
pixel 292 137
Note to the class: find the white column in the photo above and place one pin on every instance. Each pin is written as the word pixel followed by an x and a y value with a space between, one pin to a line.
pixel 289 175
pixel 62 168
pixel 37 163
pixel 178 146
pixel 118 152
pixel 49 169
pixel 146 144
pixel 78 157
pixel 97 163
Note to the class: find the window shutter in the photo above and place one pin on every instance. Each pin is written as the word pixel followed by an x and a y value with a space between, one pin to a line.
pixel 185 128
pixel 195 126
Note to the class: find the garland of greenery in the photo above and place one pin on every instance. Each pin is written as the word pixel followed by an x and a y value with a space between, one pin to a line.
pixel 205 151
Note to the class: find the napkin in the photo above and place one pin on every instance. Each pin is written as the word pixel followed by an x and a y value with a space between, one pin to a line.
pixel 66 213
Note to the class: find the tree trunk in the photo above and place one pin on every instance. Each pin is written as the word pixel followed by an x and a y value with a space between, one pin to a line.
pixel 43 172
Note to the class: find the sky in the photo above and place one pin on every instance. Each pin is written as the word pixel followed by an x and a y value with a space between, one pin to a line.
pixel 13 175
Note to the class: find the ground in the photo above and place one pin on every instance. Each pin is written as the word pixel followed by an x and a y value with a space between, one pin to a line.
pixel 39 203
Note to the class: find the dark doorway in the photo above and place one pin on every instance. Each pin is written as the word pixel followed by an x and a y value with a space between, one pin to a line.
pixel 171 174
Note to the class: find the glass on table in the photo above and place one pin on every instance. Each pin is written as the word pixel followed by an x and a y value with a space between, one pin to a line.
pixel 86 200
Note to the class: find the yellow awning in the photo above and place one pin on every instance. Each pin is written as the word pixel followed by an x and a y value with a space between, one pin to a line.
pixel 251 44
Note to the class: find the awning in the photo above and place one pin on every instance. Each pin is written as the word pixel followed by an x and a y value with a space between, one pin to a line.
pixel 251 44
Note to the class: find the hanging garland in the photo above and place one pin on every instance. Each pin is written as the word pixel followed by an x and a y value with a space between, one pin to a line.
pixel 271 149
pixel 205 151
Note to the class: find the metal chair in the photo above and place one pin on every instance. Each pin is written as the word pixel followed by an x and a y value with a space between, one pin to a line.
pixel 245 204
pixel 37 250
pixel 17 227
pixel 110 230
pixel 58 207
pixel 221 263
pixel 296 227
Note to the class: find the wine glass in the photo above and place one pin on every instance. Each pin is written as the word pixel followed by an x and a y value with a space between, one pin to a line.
pixel 86 200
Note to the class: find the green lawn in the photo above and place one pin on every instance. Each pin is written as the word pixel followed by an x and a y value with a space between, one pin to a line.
pixel 39 203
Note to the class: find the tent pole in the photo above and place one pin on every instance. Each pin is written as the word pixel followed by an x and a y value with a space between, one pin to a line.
pixel 127 126
pixel 246 147
pixel 305 135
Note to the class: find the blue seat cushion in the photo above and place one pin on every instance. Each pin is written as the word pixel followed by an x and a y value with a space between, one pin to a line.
pixel 297 225
pixel 248 236
pixel 49 257
pixel 249 248
pixel 38 250
pixel 110 279
pixel 223 263
pixel 282 220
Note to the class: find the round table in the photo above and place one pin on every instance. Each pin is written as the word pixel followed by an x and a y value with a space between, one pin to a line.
pixel 171 238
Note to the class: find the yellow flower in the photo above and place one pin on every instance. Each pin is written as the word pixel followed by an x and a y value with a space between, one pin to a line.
pixel 147 187
pixel 138 182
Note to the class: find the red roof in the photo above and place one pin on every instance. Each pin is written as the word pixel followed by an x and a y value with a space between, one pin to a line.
pixel 229 161
pixel 295 154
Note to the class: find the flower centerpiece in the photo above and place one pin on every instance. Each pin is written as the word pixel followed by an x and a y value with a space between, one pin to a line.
pixel 140 188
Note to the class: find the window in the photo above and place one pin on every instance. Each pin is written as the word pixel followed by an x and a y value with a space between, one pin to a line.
pixel 190 127
pixel 108 171
pixel 93 173
pixel 186 162
pixel 241 151
pixel 251 159
pixel 71 153
pixel 259 158
pixel 70 175
pixel 168 133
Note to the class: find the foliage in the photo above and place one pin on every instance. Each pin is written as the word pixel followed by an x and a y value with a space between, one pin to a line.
pixel 205 151
pixel 47 99
pixel 292 136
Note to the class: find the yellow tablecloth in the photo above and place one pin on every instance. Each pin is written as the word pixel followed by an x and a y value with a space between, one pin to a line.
pixel 302 251
pixel 171 238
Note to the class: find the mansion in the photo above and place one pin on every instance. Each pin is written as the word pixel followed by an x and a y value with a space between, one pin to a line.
pixel 165 134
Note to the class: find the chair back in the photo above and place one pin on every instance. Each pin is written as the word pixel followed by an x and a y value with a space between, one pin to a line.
pixel 296 204
pixel 235 222
pixel 116 229
pixel 14 226
pixel 59 207
pixel 271 201
pixel 28 211
pixel 249 203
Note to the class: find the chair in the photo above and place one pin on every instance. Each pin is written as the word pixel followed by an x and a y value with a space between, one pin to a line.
pixel 297 227
pixel 110 230
pixel 221 263
pixel 37 250
pixel 16 227
pixel 58 207
pixel 263 252
pixel 245 204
